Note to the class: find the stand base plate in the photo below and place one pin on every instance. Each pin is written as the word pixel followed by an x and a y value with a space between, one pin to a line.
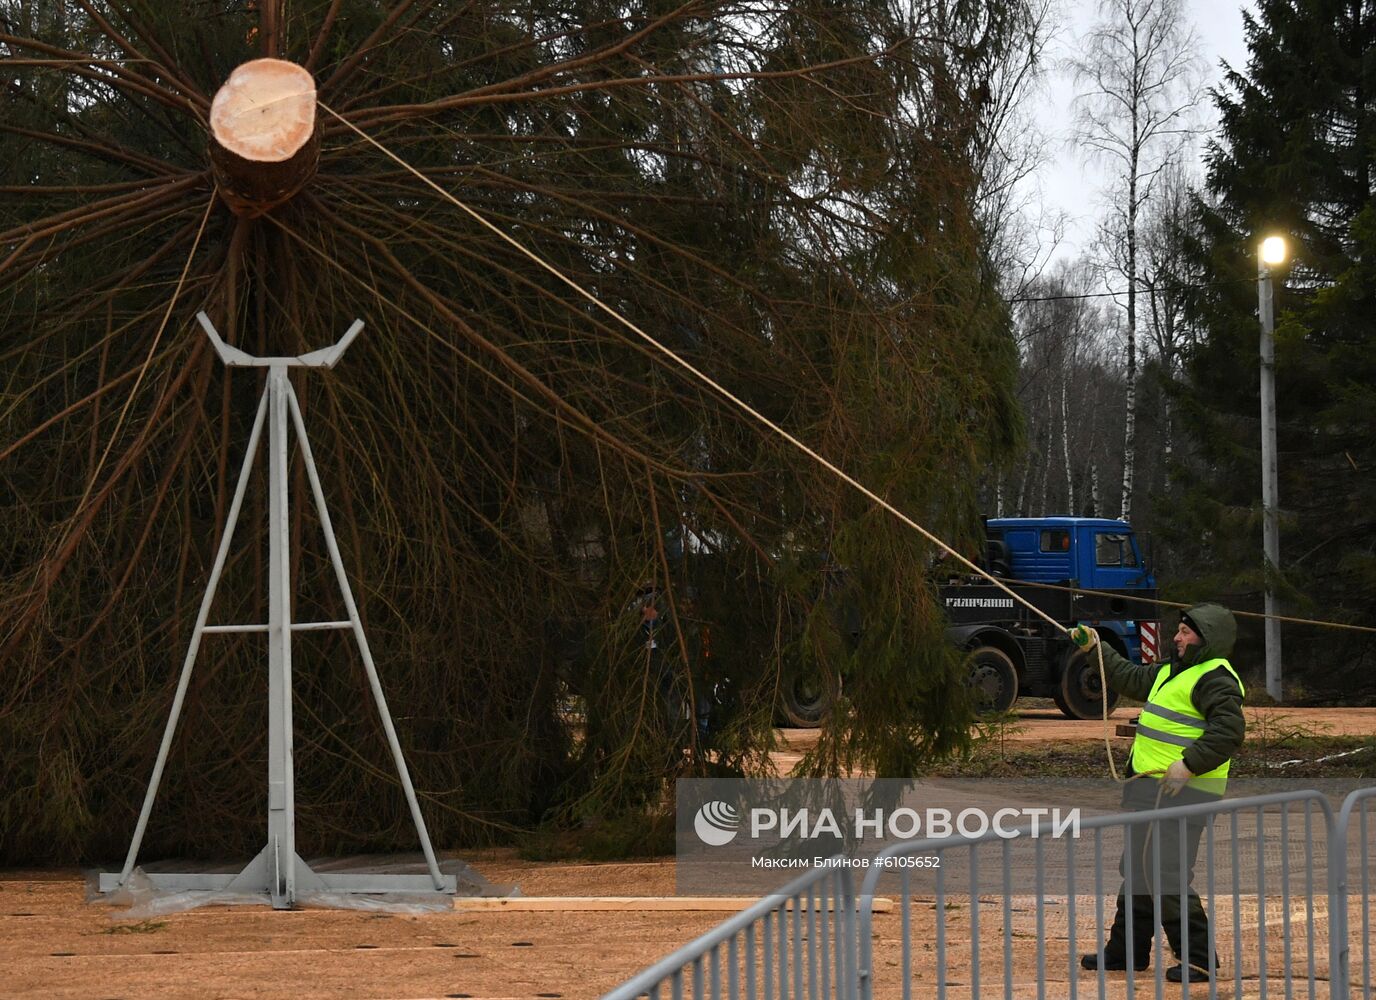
pixel 258 876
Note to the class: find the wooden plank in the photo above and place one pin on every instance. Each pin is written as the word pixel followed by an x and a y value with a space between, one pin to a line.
pixel 530 904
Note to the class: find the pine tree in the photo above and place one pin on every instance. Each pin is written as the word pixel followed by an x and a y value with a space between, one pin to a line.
pixel 1294 156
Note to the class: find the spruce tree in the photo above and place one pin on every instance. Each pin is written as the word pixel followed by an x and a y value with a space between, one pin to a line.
pixel 785 193
pixel 1293 156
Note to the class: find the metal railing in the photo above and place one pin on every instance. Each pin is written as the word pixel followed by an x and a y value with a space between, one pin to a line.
pixel 1278 878
pixel 796 943
pixel 1347 896
pixel 988 912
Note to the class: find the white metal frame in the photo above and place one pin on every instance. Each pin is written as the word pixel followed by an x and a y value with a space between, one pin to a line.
pixel 278 870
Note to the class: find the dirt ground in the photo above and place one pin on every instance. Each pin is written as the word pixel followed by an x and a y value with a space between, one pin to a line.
pixel 55 944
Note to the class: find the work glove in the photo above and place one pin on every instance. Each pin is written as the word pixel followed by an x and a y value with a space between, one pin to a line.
pixel 1083 637
pixel 1176 777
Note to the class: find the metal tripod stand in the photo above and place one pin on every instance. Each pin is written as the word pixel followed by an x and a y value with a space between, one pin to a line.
pixel 278 870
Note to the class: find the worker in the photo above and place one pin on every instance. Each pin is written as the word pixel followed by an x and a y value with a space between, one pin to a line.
pixel 1189 730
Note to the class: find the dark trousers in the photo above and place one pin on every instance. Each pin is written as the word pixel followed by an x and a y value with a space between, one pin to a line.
pixel 1146 883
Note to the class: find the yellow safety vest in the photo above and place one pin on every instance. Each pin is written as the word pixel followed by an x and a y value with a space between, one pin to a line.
pixel 1169 723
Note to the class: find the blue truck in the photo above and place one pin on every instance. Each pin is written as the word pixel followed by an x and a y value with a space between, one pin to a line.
pixel 1099 578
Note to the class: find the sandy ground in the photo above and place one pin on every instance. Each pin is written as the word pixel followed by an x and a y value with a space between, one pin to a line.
pixel 54 944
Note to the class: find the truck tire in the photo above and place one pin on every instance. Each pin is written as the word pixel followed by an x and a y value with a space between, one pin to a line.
pixel 805 699
pixel 1059 699
pixel 1080 693
pixel 993 680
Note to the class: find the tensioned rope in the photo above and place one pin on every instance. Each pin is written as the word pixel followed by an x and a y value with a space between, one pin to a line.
pixel 1159 602
pixel 745 407
pixel 688 366
pixel 742 405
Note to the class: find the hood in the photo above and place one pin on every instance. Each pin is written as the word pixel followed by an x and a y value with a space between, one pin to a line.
pixel 1218 628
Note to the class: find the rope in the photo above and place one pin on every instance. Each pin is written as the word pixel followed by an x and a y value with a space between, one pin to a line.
pixel 759 417
pixel 764 420
pixel 1103 690
pixel 1108 742
pixel 694 371
pixel 1178 604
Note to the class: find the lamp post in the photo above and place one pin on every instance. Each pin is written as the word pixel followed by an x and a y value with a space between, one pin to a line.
pixel 1272 253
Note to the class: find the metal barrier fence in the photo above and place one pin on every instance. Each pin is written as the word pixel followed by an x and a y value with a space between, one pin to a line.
pixel 797 943
pixel 1264 877
pixel 1361 849
pixel 1279 876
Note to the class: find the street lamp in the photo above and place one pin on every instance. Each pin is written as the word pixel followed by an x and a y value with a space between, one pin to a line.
pixel 1272 254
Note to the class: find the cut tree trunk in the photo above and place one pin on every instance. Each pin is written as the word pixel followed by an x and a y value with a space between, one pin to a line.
pixel 264 144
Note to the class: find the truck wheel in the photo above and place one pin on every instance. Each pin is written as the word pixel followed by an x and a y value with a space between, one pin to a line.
pixel 1081 695
pixel 805 699
pixel 993 680
pixel 1059 699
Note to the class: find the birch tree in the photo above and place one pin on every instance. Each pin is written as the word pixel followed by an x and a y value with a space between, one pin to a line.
pixel 1061 336
pixel 1167 277
pixel 1139 72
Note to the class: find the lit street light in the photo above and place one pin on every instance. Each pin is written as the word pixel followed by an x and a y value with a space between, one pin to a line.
pixel 1272 253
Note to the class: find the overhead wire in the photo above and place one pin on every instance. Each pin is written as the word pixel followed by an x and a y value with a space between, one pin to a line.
pixel 1159 602
pixel 1148 289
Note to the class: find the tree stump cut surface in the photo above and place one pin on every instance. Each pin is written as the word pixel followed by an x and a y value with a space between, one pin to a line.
pixel 264 144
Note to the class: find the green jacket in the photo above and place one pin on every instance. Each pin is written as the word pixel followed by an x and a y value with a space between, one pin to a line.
pixel 1216 695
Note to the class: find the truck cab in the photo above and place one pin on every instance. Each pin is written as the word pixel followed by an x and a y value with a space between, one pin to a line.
pixel 1096 553
pixel 1100 553
pixel 1108 587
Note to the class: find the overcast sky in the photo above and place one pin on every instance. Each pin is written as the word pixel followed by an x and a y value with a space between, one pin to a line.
pixel 1068 184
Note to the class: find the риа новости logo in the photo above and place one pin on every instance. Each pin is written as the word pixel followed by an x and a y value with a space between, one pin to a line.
pixel 716 824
